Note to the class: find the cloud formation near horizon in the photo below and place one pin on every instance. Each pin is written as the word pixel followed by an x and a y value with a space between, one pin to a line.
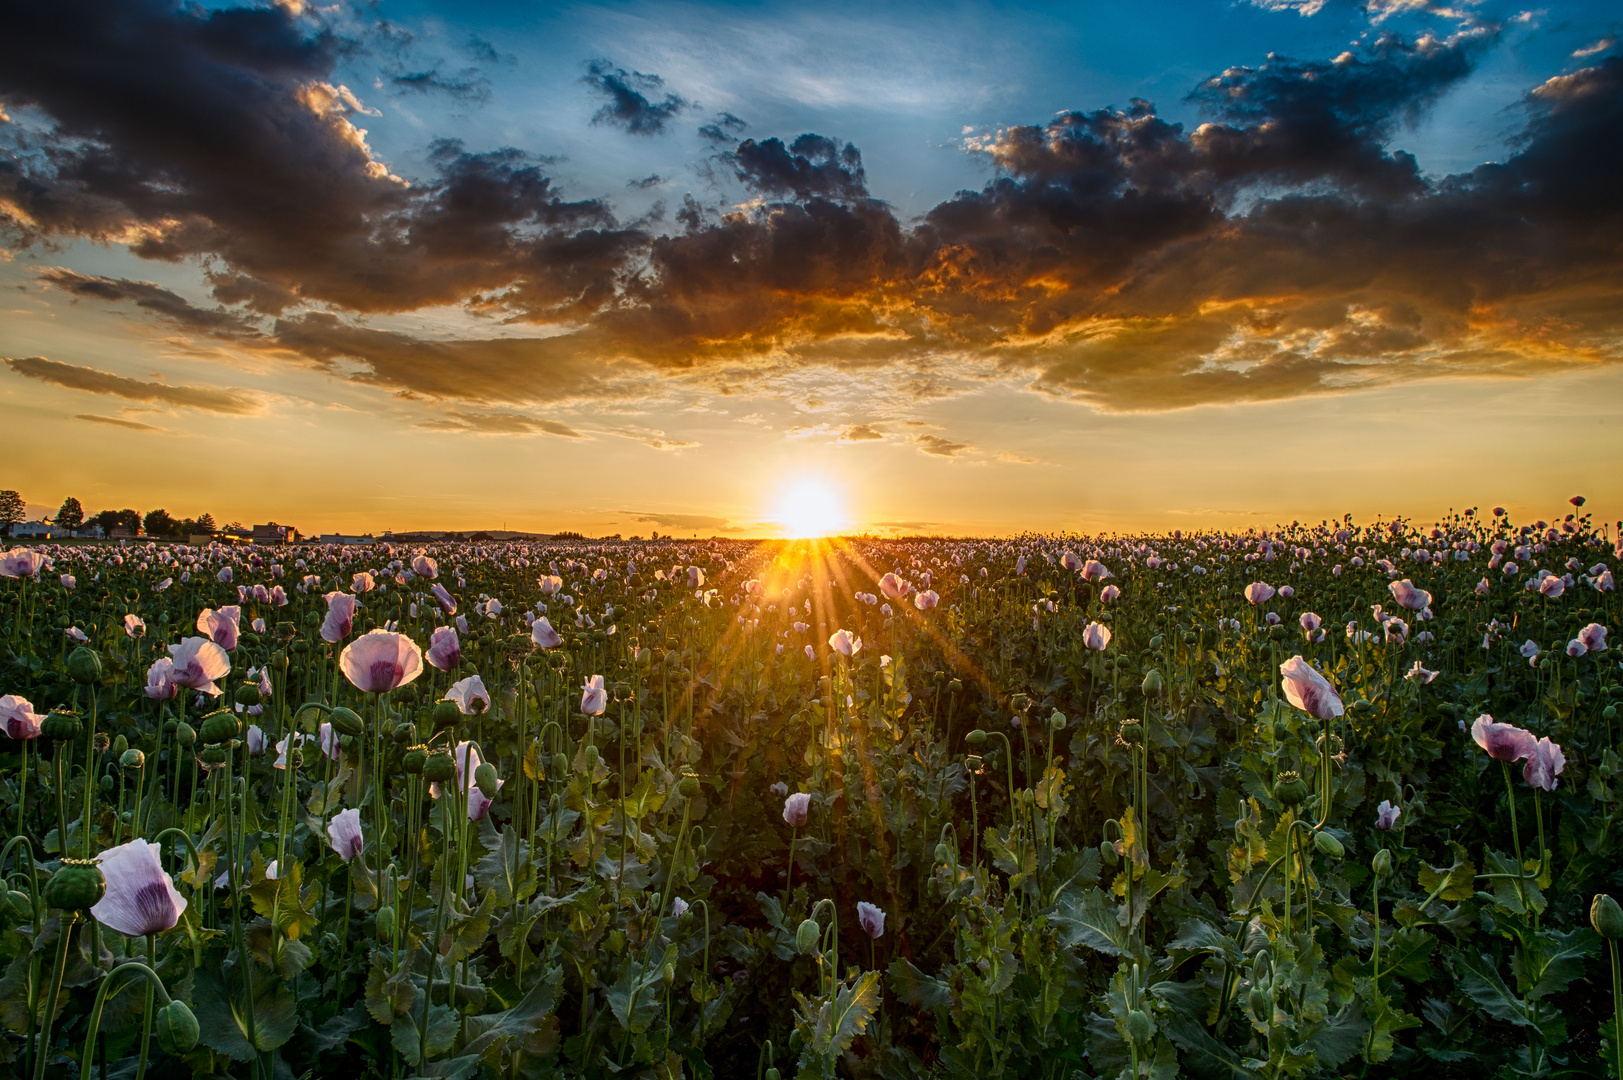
pixel 1281 248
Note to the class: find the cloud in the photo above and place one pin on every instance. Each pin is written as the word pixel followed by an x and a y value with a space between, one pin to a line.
pixel 653 180
pixel 720 130
pixel 1011 457
pixel 154 298
pixel 114 421
pixel 861 433
pixel 681 521
pixel 813 166
pixel 204 398
pixel 466 86
pixel 939 446
pixel 499 423
pixel 628 105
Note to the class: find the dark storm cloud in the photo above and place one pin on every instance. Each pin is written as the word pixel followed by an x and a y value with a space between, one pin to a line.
pixel 628 105
pixel 1285 246
pixel 466 86
pixel 73 377
pixel 720 130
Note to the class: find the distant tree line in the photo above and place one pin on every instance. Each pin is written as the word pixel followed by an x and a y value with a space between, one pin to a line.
pixel 71 515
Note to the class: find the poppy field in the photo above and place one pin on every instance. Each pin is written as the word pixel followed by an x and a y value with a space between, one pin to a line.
pixel 1327 800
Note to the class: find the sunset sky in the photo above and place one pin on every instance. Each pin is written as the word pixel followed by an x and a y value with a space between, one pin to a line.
pixel 964 268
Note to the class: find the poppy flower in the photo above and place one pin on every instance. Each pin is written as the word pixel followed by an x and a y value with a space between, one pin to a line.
pixel 593 697
pixel 871 919
pixel 380 660
pixel 139 899
pixel 344 833
pixel 1503 742
pixel 1309 691
pixel 195 662
pixel 795 807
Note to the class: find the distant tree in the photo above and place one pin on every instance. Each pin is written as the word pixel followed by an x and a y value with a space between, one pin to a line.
pixel 103 520
pixel 236 527
pixel 159 523
pixel 480 537
pixel 205 524
pixel 71 515
pixel 12 510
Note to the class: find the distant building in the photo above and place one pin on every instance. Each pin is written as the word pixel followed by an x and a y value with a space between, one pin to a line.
pixel 344 540
pixel 41 529
pixel 274 534
pixel 124 532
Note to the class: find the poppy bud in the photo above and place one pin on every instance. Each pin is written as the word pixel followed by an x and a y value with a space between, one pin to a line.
pixel 385 923
pixel 84 665
pixel 346 721
pixel 1606 917
pixel 560 765
pixel 446 715
pixel 132 759
pixel 1328 845
pixel 1152 686
pixel 485 779
pixel 218 727
pixel 806 936
pixel 591 758
pixel 176 1028
pixel 185 734
pixel 773 1074
pixel 1260 1006
pixel 77 886
pixel 413 761
pixel 120 745
pixel 439 768
pixel 1381 864
pixel 1056 722
pixel 106 784
pixel 1107 852
pixel 1140 1027
pixel 976 738
pixel 405 734
pixel 21 904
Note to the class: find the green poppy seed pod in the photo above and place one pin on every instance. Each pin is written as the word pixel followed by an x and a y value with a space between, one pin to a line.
pixel 1153 686
pixel 385 923
pixel 1108 852
pixel 218 727
pixel 1189 637
pixel 1132 732
pixel 77 886
pixel 774 1074
pixel 176 1028
pixel 439 768
pixel 1609 713
pixel 84 665
pixel 1260 1006
pixel 976 738
pixel 185 734
pixel 1157 641
pixel 446 715
pixel 1020 702
pixel 21 904
pixel 806 936
pixel 1381 864
pixel 486 780
pixel 1140 1028
pixel 346 721
pixel 120 745
pixel 1328 845
pixel 943 854
pixel 61 725
pixel 560 765
pixel 1606 917
pixel 590 757
pixel 106 784
pixel 101 741
pixel 214 756
pixel 1289 788
pixel 412 761
pixel 1056 722
pixel 668 973
pixel 955 687
pixel 405 734
pixel 688 786
pixel 247 694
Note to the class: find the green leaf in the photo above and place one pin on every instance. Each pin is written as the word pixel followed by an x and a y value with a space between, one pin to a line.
pixel 840 1022
pixel 469 935
pixel 531 1022
pixel 634 997
pixel 388 996
pixel 1457 883
pixel 224 1022
pixel 1093 921
pixel 1480 981
pixel 441 1033
pixel 1551 960
pixel 1340 1038
pixel 916 988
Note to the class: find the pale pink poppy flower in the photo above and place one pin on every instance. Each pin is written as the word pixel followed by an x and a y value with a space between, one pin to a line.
pixel 224 576
pixel 892 586
pixel 1272 618
pixel 134 626
pixel 1405 593
pixel 1482 587
pixel 139 899
pixel 1096 636
pixel 197 662
pixel 340 618
pixel 795 808
pixel 926 600
pixel 18 720
pixel 695 578
pixel 1529 648
pixel 1397 631
pixel 344 833
pixel 544 635
pixel 1386 815
pixel 444 650
pixel 1309 691
pixel 278 596
pixel 164 584
pixel 479 803
pixel 281 750
pixel 363 582
pixel 679 907
pixel 469 695
pixel 551 584
pixel 222 627
pixel 811 654
pixel 845 643
pixel 871 919
pixel 1503 742
pixel 21 563
pixel 1020 566
pixel 425 567
pixel 1593 637
pixel 1259 592
pixel 380 660
pixel 1544 763
pixel 1109 594
pixel 1071 561
pixel 1094 570
pixel 256 739
pixel 1286 592
pixel 1310 622
pixel 160 682
pixel 780 789
pixel 593 697
pixel 1421 673
pixel 1604 582
pixel 259 626
pixel 446 601
pixel 76 634
pixel 462 624
pixel 1576 648
pixel 69 581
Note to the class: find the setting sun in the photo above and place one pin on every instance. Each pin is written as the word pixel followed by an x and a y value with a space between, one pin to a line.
pixel 809 509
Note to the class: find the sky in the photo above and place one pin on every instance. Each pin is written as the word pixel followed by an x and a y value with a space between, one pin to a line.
pixel 707 268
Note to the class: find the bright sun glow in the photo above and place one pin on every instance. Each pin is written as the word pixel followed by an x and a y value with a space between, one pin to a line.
pixel 809 509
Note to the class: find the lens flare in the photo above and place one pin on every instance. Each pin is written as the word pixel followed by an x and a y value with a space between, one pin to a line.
pixel 809 509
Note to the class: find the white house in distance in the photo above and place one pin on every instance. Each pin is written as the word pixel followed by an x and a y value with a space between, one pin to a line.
pixel 39 530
